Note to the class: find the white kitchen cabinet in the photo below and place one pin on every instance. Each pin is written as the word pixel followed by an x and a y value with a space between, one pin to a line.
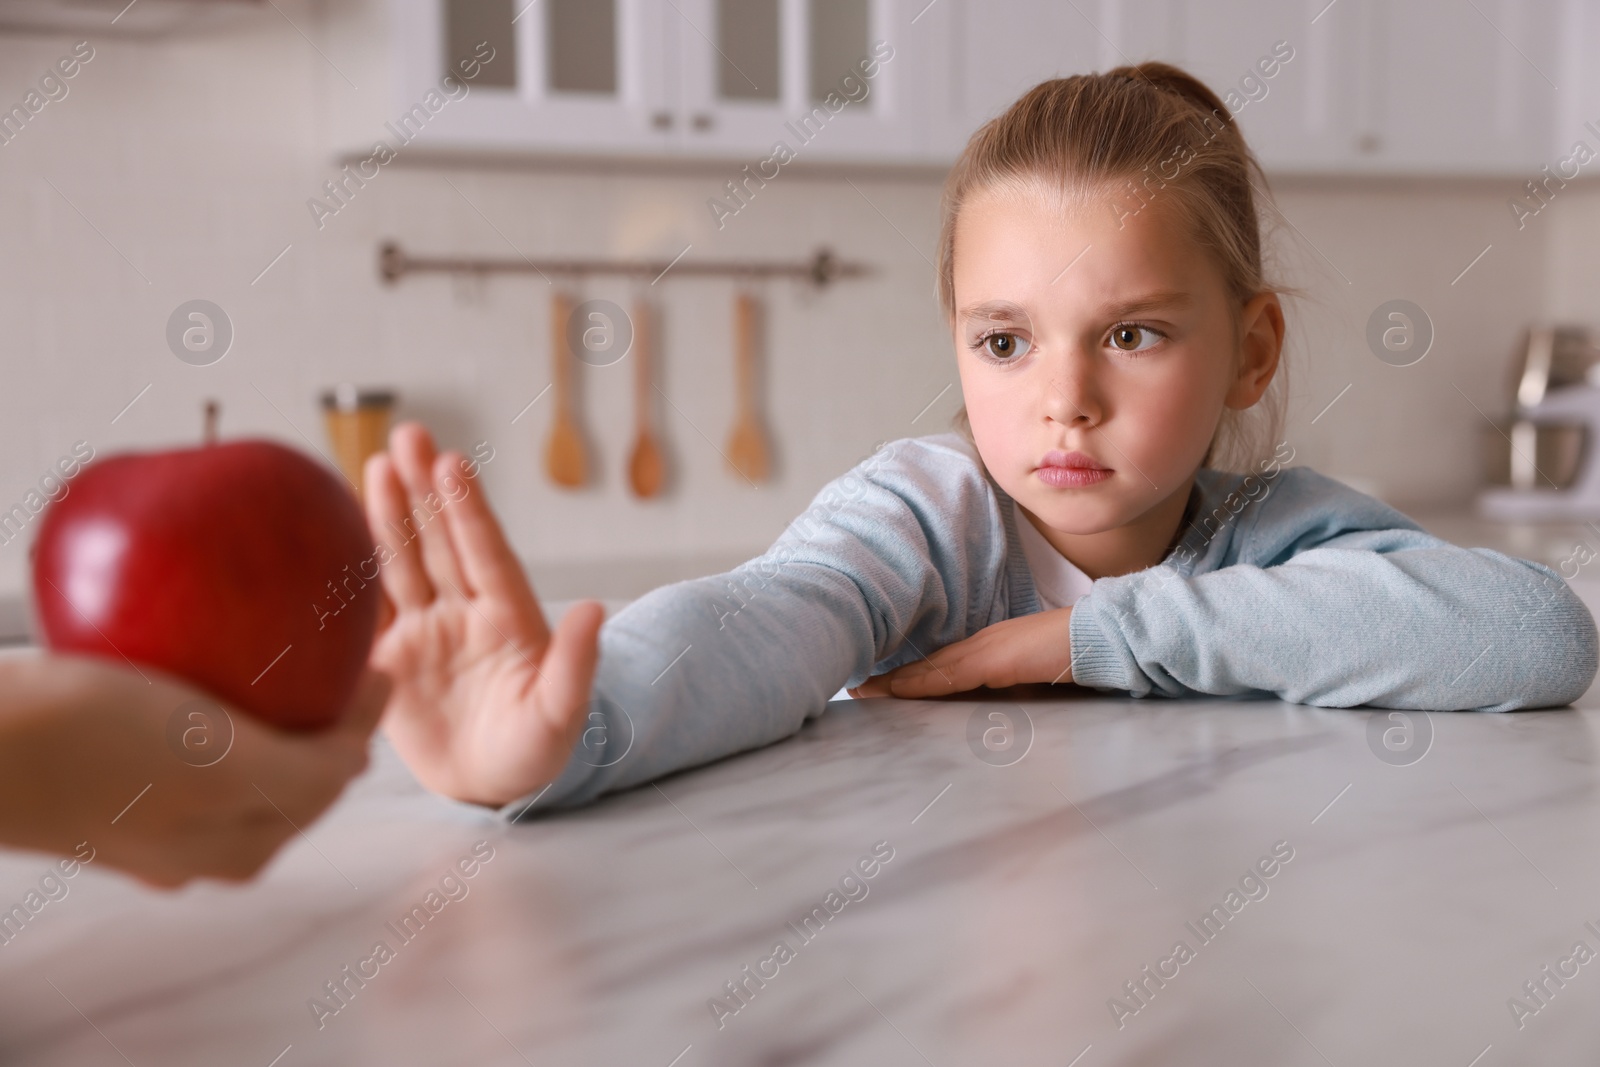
pixel 1402 87
pixel 1002 47
pixel 703 78
pixel 567 75
pixel 755 72
pixel 1397 87
pixel 993 52
pixel 1438 88
pixel 1579 77
pixel 1370 86
pixel 1306 114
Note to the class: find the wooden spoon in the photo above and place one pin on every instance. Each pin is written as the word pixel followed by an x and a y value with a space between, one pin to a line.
pixel 646 471
pixel 747 444
pixel 564 454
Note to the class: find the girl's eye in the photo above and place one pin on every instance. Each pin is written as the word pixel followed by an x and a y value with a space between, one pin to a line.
pixel 1004 347
pixel 1128 337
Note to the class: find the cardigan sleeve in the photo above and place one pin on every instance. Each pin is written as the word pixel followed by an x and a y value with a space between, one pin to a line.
pixel 1327 597
pixel 891 560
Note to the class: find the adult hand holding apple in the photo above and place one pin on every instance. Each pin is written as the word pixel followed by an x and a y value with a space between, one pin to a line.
pixel 85 757
pixel 487 703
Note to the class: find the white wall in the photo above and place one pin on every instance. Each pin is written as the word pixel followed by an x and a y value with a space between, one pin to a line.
pixel 1574 260
pixel 193 158
pixel 1414 435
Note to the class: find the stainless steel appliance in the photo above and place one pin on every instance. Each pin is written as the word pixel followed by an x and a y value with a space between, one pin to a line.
pixel 1546 453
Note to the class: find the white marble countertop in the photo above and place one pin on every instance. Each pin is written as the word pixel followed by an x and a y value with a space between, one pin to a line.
pixel 1021 896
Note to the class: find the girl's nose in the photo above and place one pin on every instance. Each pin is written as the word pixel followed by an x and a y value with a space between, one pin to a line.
pixel 1073 399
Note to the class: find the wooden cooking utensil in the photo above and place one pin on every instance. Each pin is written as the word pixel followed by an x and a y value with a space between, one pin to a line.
pixel 646 470
pixel 564 454
pixel 747 444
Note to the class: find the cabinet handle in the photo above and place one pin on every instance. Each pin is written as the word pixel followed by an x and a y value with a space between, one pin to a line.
pixel 703 121
pixel 661 120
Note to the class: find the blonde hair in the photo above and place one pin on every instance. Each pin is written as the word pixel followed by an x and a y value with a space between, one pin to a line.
pixel 1141 131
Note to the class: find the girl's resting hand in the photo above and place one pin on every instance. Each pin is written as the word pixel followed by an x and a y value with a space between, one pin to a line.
pixel 1033 648
pixel 87 758
pixel 487 703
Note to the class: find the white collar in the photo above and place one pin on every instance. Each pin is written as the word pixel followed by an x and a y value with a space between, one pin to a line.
pixel 1057 581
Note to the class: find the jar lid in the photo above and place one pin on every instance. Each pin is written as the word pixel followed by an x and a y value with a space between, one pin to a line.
pixel 347 397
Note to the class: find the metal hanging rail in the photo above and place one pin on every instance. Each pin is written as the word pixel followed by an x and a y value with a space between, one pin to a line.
pixel 821 269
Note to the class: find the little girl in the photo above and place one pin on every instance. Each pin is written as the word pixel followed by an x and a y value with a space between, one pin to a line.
pixel 1118 346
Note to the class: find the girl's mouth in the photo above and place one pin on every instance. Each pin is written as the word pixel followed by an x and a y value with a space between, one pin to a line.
pixel 1071 470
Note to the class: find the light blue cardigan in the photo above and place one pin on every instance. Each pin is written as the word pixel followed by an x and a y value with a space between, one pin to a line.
pixel 1283 582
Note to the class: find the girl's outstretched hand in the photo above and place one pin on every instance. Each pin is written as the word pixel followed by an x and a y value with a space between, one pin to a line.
pixel 1033 648
pixel 487 703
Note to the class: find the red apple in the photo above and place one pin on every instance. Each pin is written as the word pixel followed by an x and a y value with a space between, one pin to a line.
pixel 246 568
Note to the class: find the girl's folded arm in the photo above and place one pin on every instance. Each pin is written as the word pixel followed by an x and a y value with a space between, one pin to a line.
pixel 1393 618
pixel 881 564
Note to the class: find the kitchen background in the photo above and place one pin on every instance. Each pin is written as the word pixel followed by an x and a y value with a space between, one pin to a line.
pixel 181 160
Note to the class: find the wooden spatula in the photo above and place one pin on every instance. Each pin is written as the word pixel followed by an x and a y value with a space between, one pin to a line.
pixel 747 444
pixel 646 471
pixel 564 454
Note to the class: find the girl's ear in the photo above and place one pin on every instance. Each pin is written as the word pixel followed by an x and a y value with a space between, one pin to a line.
pixel 1260 345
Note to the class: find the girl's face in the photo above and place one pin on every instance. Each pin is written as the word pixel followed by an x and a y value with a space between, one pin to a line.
pixel 1097 354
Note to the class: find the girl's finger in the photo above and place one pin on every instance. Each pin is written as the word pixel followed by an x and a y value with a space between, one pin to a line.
pixel 405 579
pixel 938 675
pixel 412 447
pixel 568 668
pixel 560 707
pixel 876 686
pixel 490 567
pixel 915 687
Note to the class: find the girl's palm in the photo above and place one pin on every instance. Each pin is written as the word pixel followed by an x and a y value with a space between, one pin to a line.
pixel 487 703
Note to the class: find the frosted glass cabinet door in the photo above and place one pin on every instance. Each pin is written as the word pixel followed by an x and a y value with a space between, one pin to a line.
pixel 811 74
pixel 566 75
